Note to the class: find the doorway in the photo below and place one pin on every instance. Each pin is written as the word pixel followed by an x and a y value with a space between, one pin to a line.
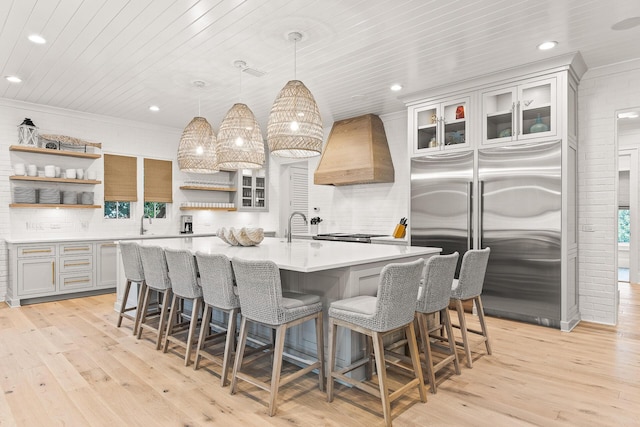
pixel 627 215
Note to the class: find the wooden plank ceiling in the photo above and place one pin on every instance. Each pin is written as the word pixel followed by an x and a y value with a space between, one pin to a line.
pixel 117 57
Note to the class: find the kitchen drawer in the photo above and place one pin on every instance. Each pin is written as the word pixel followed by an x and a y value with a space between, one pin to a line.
pixel 32 251
pixel 79 263
pixel 73 281
pixel 76 248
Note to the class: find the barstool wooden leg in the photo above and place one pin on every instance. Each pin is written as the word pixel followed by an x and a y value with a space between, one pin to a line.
pixel 483 324
pixel 193 325
pixel 123 306
pixel 368 352
pixel 242 341
pixel 333 330
pixel 204 328
pixel 229 346
pixel 378 351
pixel 426 344
pixel 463 331
pixel 141 292
pixel 163 317
pixel 415 359
pixel 277 368
pixel 172 320
pixel 320 349
pixel 143 313
pixel 446 319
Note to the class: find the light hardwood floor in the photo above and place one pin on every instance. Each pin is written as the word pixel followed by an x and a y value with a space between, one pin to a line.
pixel 65 363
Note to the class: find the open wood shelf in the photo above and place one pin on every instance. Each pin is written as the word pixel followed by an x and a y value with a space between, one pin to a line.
pixel 28 149
pixel 198 188
pixel 189 208
pixel 47 179
pixel 48 205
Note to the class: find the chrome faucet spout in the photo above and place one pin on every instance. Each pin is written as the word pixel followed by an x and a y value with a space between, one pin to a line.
pixel 304 217
pixel 142 229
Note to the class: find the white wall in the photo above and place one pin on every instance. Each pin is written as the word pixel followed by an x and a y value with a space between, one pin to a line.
pixel 602 91
pixel 117 137
pixel 367 208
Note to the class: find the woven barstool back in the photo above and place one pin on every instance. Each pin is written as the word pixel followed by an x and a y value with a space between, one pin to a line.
pixel 435 293
pixel 132 261
pixel 472 272
pixel 260 293
pixel 183 273
pixel 217 280
pixel 155 267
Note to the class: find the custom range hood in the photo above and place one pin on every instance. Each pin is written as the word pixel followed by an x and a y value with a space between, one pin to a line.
pixel 356 153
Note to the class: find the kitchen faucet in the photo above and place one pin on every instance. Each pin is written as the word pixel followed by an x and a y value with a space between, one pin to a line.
pixel 142 229
pixel 290 218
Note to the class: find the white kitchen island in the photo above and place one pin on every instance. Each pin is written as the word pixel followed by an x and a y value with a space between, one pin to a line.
pixel 332 270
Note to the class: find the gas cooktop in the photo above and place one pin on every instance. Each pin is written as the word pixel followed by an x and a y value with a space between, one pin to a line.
pixel 347 237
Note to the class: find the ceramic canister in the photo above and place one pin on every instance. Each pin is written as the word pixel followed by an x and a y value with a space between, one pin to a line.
pixel 19 169
pixel 50 171
pixel 70 173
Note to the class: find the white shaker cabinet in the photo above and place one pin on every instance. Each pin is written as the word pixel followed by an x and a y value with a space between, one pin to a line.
pixel 42 271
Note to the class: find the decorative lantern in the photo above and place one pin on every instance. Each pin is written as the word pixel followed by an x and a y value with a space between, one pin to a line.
pixel 28 133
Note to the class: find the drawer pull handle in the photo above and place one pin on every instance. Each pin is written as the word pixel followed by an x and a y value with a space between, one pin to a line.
pixel 37 251
pixel 66 282
pixel 108 245
pixel 53 273
pixel 73 264
pixel 86 248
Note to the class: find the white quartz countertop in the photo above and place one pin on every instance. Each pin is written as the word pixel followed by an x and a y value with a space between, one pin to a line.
pixel 300 255
pixel 96 238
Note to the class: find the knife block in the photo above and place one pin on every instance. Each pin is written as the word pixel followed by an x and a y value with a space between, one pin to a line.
pixel 399 231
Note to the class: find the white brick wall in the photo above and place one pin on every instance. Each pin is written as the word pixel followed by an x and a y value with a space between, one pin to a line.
pixel 602 92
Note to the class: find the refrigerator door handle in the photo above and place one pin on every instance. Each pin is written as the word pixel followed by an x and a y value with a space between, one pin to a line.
pixel 469 214
pixel 481 216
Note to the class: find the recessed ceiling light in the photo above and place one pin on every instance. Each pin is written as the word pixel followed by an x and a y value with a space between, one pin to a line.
pixel 547 45
pixel 37 39
pixel 396 87
pixel 626 24
pixel 154 108
pixel 13 79
pixel 628 115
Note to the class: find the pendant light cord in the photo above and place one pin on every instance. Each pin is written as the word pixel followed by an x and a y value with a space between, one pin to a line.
pixel 295 59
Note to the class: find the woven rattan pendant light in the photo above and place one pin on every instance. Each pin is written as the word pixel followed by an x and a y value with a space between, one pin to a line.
pixel 295 126
pixel 197 147
pixel 240 144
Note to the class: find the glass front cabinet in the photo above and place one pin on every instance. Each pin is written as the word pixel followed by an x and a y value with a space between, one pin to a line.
pixel 522 112
pixel 252 187
pixel 440 126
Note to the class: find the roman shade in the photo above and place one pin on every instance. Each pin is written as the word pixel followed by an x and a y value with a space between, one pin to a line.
pixel 158 181
pixel 120 178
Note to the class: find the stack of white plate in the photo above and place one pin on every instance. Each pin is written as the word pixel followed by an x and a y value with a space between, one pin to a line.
pixel 86 197
pixel 69 197
pixel 24 195
pixel 49 196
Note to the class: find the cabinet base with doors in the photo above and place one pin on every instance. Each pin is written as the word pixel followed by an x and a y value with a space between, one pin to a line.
pixel 531 105
pixel 45 271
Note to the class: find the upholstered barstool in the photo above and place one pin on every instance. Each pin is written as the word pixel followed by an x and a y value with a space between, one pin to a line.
pixel 468 286
pixel 433 298
pixel 156 276
pixel 393 309
pixel 134 273
pixel 218 283
pixel 185 286
pixel 262 301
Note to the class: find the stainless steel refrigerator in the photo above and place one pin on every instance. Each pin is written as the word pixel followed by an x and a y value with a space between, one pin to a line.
pixel 508 199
